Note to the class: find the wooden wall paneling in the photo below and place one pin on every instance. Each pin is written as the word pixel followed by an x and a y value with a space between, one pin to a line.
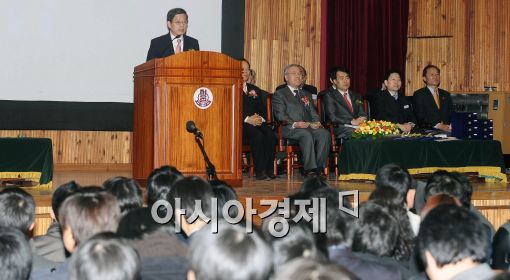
pixel 278 33
pixel 83 147
pixel 479 47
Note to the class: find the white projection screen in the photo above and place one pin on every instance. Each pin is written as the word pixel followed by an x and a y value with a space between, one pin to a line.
pixel 75 50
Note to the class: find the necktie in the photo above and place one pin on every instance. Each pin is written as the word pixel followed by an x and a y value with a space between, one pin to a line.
pixel 296 94
pixel 344 95
pixel 178 47
pixel 436 98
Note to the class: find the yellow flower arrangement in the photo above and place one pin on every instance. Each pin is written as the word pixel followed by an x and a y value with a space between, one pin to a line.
pixel 375 129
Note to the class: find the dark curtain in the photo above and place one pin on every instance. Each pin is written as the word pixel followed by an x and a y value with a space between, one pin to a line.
pixel 368 37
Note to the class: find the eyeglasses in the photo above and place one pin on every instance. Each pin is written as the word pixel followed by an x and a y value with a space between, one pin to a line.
pixel 180 22
pixel 297 74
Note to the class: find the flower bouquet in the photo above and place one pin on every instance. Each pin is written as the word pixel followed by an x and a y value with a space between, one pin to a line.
pixel 375 129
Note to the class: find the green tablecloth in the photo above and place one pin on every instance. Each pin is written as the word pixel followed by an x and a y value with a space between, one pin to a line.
pixel 361 158
pixel 27 158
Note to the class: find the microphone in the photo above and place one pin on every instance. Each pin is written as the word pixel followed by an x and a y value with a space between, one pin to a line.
pixel 191 128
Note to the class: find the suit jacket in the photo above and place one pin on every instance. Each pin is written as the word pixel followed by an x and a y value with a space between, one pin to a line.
pixel 286 107
pixel 254 105
pixel 363 269
pixel 162 46
pixel 386 108
pixel 50 246
pixel 311 89
pixel 426 111
pixel 337 111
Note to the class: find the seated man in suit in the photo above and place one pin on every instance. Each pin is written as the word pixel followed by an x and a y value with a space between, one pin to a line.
pixel 261 137
pixel 176 40
pixel 392 105
pixel 311 89
pixel 341 105
pixel 433 106
pixel 293 105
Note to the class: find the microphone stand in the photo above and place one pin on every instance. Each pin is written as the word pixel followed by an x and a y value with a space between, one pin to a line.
pixel 210 169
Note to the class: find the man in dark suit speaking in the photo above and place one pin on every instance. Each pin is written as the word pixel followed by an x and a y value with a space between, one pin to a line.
pixel 176 40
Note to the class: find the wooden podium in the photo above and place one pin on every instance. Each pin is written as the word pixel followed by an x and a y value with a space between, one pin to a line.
pixel 204 87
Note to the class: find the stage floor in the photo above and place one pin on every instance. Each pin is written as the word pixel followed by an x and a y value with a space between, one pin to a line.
pixel 492 199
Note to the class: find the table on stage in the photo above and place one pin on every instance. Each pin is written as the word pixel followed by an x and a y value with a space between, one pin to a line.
pixel 28 159
pixel 361 158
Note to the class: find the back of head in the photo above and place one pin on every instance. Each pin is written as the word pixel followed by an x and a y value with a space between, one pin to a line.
pixel 451 234
pixel 223 192
pixel 436 200
pixel 160 182
pixel 17 209
pixel 127 191
pixel 15 254
pixel 394 176
pixel 89 213
pixel 231 253
pixel 60 194
pixel 453 184
pixel 105 257
pixel 376 232
pixel 309 269
pixel 298 242
pixel 190 190
pixel 137 223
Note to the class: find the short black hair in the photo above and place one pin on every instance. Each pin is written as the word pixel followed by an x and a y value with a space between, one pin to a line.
pixel 453 184
pixel 15 254
pixel 104 256
pixel 127 191
pixel 299 242
pixel 224 193
pixel 377 231
pixel 175 11
pixel 395 177
pixel 159 183
pixel 334 70
pixel 450 234
pixel 137 223
pixel 391 71
pixel 61 193
pixel 424 72
pixel 189 190
pixel 231 252
pixel 17 209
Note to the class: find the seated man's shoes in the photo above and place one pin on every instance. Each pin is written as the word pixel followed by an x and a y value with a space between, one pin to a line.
pixel 310 173
pixel 261 176
pixel 270 175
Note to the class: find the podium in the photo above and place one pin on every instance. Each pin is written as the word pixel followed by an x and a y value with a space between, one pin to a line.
pixel 204 87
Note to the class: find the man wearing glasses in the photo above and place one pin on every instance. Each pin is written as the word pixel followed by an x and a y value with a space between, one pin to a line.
pixel 176 40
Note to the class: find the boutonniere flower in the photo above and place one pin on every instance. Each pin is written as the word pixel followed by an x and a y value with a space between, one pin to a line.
pixel 359 102
pixel 305 100
pixel 253 94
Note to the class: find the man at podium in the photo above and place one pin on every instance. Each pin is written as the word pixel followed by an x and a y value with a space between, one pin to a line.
pixel 176 40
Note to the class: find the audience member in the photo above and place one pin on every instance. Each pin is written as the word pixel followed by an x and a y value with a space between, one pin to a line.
pixel 50 246
pixel 231 253
pixel 342 106
pixel 89 211
pixel 190 191
pixel 436 200
pixel 15 254
pixel 127 191
pixel 452 244
pixel 292 106
pixel 432 106
pixel 261 137
pixel 159 183
pixel 105 257
pixel 224 193
pixel 399 179
pixel 17 210
pixel 376 237
pixel 392 105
